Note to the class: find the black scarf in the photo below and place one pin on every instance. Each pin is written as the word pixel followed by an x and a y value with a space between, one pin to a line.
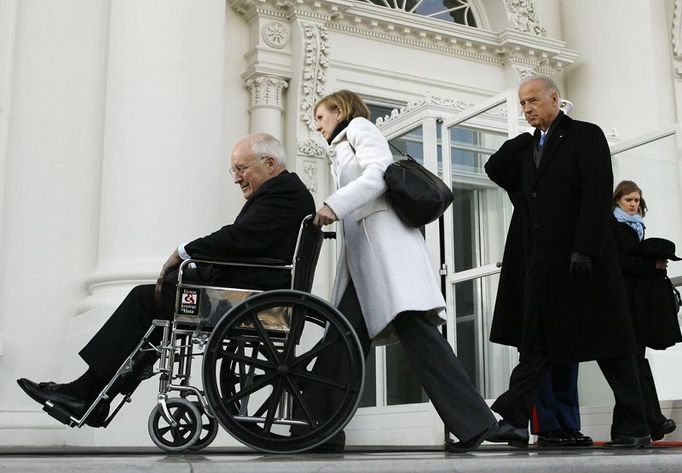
pixel 339 128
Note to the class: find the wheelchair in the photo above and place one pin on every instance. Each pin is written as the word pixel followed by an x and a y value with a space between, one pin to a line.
pixel 258 349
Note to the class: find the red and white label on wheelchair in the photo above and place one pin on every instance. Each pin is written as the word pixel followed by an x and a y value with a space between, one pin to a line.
pixel 189 302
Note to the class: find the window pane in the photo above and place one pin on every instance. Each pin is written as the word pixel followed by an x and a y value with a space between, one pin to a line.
pixel 411 143
pixel 472 147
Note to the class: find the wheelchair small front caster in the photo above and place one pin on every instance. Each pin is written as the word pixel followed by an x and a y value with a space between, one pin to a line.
pixel 181 437
pixel 209 429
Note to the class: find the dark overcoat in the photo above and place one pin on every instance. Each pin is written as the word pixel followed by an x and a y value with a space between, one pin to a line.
pixel 648 292
pixel 565 207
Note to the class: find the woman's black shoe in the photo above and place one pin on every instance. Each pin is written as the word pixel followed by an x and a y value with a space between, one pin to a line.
pixel 663 429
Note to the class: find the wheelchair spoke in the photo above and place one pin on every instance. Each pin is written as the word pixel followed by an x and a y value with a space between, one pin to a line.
pixel 251 389
pixel 274 402
pixel 318 379
pixel 293 389
pixel 305 358
pixel 255 362
pixel 271 350
pixel 297 321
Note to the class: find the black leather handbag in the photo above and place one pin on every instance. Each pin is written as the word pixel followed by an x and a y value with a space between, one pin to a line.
pixel 416 194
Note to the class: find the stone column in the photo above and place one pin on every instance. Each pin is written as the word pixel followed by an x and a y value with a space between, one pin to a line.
pixel 52 85
pixel 164 165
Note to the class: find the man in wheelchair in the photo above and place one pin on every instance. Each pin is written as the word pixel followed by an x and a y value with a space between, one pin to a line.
pixel 266 227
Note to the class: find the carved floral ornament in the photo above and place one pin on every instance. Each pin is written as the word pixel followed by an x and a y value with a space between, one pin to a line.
pixel 523 18
pixel 275 34
pixel 315 65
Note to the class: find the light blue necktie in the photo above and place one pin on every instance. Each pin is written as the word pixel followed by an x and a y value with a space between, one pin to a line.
pixel 542 139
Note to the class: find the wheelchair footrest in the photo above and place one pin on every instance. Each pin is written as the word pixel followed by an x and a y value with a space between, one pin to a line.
pixel 59 413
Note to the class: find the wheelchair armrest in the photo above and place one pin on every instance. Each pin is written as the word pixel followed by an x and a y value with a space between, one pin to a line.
pixel 239 260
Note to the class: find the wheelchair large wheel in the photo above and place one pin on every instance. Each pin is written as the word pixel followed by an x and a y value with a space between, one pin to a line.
pixel 184 435
pixel 283 387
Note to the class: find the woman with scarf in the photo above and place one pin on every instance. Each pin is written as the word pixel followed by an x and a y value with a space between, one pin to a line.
pixel 385 283
pixel 639 273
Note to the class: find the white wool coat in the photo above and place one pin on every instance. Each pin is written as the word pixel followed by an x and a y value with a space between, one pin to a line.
pixel 387 260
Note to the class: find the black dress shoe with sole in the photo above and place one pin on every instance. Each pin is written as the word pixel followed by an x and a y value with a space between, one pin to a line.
pixel 48 395
pixel 43 392
pixel 629 441
pixel 578 439
pixel 471 444
pixel 506 432
pixel 663 429
pixel 554 439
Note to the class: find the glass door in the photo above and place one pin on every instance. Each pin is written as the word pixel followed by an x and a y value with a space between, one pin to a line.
pixel 475 230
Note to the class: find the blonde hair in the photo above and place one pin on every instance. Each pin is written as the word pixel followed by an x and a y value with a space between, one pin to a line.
pixel 348 103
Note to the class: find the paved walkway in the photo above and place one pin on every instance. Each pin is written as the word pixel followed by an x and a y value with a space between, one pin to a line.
pixel 489 459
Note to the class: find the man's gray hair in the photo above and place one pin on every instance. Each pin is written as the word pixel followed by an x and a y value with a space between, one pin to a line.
pixel 267 145
pixel 547 83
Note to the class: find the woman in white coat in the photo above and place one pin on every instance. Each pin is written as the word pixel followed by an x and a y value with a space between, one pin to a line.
pixel 385 283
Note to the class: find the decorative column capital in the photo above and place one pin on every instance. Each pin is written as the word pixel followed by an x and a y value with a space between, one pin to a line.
pixel 266 91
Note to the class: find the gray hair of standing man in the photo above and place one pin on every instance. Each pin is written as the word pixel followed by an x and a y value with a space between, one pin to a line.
pixel 547 83
pixel 265 145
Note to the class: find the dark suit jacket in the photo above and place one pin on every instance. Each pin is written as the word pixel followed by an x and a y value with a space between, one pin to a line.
pixel 266 227
pixel 566 207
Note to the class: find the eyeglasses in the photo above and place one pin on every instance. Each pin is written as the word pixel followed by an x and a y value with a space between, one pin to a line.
pixel 239 169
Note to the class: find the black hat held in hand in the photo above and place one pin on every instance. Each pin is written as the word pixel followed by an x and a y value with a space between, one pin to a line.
pixel 659 248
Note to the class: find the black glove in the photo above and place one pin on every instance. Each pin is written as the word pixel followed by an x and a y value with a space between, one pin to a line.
pixel 581 267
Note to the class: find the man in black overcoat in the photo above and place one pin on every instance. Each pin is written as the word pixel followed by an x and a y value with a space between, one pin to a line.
pixel 266 227
pixel 574 305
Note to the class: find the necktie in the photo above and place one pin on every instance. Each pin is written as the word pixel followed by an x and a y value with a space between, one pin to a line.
pixel 542 139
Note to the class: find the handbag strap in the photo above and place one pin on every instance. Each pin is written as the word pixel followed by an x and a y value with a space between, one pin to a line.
pixel 405 155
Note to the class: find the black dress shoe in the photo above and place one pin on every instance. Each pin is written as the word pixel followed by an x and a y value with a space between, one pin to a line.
pixel 506 432
pixel 44 392
pixel 471 444
pixel 578 439
pixel 629 441
pixel 554 438
pixel 663 429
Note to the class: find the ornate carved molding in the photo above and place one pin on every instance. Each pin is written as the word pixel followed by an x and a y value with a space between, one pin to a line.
pixel 310 175
pixel 315 65
pixel 523 18
pixel 266 91
pixel 312 148
pixel 677 37
pixel 526 43
pixel 451 105
pixel 275 34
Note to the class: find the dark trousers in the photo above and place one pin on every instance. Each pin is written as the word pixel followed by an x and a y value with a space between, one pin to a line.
pixel 556 404
pixel 459 405
pixel 652 408
pixel 121 333
pixel 621 373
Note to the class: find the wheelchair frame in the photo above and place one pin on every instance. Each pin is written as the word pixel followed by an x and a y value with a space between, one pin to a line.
pixel 272 354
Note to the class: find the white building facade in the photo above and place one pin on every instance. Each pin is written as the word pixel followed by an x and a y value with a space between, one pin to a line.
pixel 117 118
